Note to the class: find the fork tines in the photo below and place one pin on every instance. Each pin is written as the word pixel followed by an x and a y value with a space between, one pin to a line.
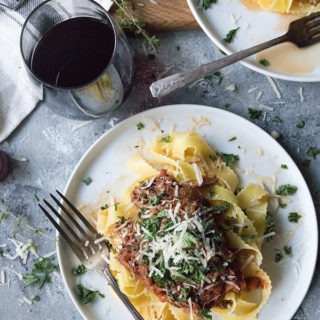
pixel 305 31
pixel 74 227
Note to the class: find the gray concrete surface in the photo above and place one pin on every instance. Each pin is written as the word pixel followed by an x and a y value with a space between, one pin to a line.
pixel 52 147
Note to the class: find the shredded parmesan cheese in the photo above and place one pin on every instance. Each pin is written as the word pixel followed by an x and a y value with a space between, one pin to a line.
pixel 301 94
pixel 81 125
pixel 2 277
pixel 198 173
pixel 268 235
pixel 231 87
pixel 259 95
pixel 27 301
pixel 274 87
pixel 252 89
pixel 191 309
pixel 49 254
pixel 100 240
pixel 248 261
pixel 105 258
pixel 149 184
pixel 275 134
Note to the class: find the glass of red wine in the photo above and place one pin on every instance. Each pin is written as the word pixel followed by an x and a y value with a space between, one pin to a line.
pixel 79 55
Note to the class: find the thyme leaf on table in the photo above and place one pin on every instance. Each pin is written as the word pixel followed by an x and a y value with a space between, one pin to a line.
pixel 133 24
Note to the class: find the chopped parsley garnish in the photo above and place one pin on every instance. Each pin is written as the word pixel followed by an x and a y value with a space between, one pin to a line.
pixel 217 74
pixel 313 152
pixel 87 180
pixel 286 190
pixel 230 35
pixel 306 163
pixel 220 209
pixel 229 159
pixel 184 294
pixel 152 225
pixel 294 217
pixel 227 105
pixel 79 270
pixel 254 113
pixel 116 206
pixel 188 240
pixel 165 139
pixel 162 213
pixel 278 257
pixel 270 224
pixel 145 259
pixel 178 48
pixel 264 62
pixel 40 274
pixel 165 279
pixel 282 205
pixel 154 200
pixel 157 229
pixel 217 237
pixel 277 119
pixel 206 4
pixel 86 295
pixel 35 298
pixel 287 250
pixel 301 124
pixel 105 207
pixel 122 219
pixel 206 314
pixel 140 125
pixel 39 231
pixel 284 166
pixel 2 217
pixel 232 139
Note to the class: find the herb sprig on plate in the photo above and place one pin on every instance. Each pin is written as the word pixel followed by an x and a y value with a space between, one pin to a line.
pixel 206 4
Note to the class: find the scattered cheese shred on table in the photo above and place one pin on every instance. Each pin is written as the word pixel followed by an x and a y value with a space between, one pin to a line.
pixel 274 87
pixel 301 94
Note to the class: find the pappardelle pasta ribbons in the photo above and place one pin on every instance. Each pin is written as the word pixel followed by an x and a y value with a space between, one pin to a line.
pixel 186 242
pixel 289 6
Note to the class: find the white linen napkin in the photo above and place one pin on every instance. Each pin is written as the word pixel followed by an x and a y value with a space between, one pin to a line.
pixel 19 95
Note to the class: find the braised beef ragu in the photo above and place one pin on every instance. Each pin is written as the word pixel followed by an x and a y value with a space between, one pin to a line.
pixel 202 270
pixel 164 192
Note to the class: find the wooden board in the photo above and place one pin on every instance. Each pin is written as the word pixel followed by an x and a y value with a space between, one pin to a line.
pixel 167 15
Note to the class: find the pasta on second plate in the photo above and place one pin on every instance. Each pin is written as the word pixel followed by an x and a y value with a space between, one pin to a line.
pixel 186 243
pixel 289 6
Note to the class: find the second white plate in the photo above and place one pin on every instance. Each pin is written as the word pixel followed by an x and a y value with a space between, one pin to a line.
pixel 256 26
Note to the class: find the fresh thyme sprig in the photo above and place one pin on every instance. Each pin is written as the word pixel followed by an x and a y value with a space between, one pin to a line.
pixel 129 22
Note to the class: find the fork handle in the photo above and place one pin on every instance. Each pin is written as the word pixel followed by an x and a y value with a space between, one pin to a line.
pixel 164 86
pixel 113 284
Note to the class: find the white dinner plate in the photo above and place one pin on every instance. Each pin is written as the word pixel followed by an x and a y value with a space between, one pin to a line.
pixel 105 162
pixel 256 26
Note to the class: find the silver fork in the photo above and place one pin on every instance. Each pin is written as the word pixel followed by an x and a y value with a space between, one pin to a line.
pixel 302 32
pixel 85 242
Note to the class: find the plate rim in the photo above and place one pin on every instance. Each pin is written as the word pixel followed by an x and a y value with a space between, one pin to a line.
pixel 249 65
pixel 96 143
